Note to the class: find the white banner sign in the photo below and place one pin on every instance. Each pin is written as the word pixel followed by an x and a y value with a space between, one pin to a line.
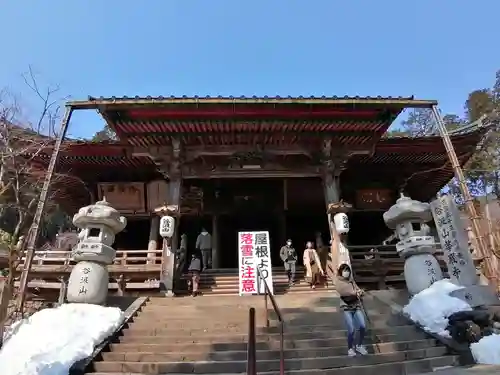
pixel 453 240
pixel 254 251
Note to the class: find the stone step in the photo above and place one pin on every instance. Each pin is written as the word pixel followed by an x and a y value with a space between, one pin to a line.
pixel 394 368
pixel 243 337
pixel 277 284
pixel 233 291
pixel 232 300
pixel 301 340
pixel 276 275
pixel 335 321
pixel 278 288
pixel 225 367
pixel 217 326
pixel 163 347
pixel 244 330
pixel 134 356
pixel 193 310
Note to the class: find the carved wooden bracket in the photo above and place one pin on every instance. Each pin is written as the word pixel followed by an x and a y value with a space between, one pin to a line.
pixel 335 157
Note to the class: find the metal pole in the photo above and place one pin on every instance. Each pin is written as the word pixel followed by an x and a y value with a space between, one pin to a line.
pixel 469 203
pixel 34 230
pixel 251 347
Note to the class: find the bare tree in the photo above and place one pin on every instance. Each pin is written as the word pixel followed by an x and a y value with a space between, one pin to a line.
pixel 23 147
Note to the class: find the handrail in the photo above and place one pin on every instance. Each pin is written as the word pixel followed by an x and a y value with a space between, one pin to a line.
pixel 251 347
pixel 277 311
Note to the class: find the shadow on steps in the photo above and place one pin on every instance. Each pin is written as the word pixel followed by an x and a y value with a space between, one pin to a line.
pixel 209 335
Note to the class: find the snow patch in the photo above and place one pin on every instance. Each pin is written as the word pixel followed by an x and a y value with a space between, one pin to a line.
pixel 487 350
pixel 50 341
pixel 432 307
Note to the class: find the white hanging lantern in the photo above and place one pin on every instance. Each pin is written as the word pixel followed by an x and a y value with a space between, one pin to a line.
pixel 167 226
pixel 341 223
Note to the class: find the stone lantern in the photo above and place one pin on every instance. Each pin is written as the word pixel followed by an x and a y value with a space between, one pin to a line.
pixel 99 223
pixel 408 219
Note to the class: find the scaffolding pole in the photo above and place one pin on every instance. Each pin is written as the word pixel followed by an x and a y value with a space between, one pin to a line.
pixel 482 251
pixel 34 230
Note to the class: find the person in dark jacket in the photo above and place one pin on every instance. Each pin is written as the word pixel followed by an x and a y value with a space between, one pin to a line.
pixel 350 301
pixel 194 270
pixel 204 244
pixel 288 256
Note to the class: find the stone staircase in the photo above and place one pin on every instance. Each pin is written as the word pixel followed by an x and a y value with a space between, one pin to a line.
pixel 226 282
pixel 209 334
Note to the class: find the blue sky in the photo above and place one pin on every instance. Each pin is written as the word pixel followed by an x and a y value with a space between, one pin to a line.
pixel 431 49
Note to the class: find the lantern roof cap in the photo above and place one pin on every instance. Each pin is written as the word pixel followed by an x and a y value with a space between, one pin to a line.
pixel 407 209
pixel 100 213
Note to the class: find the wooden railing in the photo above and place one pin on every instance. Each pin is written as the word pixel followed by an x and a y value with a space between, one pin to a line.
pixel 131 269
pixel 382 266
pixel 140 269
pixel 123 257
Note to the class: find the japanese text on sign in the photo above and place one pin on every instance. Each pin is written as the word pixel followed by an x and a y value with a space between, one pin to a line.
pixel 254 252
pixel 453 241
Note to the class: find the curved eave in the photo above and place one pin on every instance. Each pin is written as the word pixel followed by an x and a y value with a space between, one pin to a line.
pixel 422 150
pixel 422 163
pixel 134 117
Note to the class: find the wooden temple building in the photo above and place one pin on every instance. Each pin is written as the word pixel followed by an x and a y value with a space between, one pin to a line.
pixel 235 164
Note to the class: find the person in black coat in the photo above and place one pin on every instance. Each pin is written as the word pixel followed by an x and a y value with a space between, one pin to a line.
pixel 194 271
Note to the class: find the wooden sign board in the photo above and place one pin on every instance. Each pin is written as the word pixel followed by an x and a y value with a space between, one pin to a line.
pixel 373 198
pixel 157 194
pixel 126 197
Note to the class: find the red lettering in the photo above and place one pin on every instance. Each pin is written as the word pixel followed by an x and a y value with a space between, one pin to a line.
pixel 248 286
pixel 248 272
pixel 246 238
pixel 246 250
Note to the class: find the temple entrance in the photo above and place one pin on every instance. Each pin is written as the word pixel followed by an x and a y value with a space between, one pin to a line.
pixel 367 228
pixel 287 208
pixel 240 221
pixel 135 236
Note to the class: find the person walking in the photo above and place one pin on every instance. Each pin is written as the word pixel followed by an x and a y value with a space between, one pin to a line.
pixel 351 304
pixel 289 257
pixel 204 244
pixel 194 270
pixel 313 265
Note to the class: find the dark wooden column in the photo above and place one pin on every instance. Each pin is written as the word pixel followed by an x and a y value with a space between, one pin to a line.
pixel 282 217
pixel 215 241
pixel 174 199
pixel 333 163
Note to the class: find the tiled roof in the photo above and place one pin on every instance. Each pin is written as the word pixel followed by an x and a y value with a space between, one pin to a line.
pixel 247 99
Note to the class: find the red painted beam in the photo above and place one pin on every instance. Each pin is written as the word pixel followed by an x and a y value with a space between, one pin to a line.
pixel 225 113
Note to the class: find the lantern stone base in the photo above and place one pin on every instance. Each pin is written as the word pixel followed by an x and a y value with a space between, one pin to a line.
pixel 88 283
pixel 421 271
pixel 94 252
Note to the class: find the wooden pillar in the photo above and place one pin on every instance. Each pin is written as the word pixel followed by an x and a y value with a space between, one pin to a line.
pixel 169 246
pixel 174 200
pixel 331 186
pixel 215 242
pixel 62 290
pixel 283 233
pixel 122 285
pixel 154 230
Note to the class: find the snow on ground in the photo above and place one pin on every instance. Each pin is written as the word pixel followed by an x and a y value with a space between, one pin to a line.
pixel 50 341
pixel 487 350
pixel 432 307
